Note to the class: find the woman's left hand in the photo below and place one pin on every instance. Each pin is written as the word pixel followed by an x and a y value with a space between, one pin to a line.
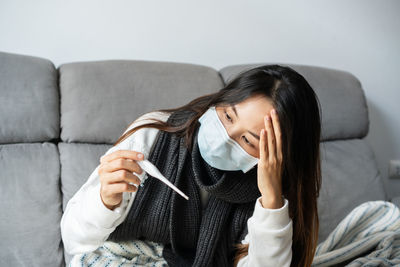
pixel 269 173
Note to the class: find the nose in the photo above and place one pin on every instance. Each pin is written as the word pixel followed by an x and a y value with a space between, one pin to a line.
pixel 232 131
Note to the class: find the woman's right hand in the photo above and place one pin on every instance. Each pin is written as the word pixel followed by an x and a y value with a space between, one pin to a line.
pixel 115 173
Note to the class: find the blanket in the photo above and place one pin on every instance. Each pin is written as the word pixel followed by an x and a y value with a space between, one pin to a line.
pixel 368 236
pixel 125 253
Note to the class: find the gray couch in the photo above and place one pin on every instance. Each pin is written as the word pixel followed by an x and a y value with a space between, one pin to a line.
pixel 55 123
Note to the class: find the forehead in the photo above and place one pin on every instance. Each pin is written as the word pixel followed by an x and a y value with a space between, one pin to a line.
pixel 253 110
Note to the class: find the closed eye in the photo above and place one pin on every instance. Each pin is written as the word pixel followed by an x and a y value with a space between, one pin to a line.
pixel 247 141
pixel 228 117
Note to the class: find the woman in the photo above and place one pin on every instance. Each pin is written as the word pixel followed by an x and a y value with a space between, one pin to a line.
pixel 241 154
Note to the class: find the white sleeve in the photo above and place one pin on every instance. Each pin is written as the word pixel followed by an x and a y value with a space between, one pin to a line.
pixel 269 237
pixel 86 222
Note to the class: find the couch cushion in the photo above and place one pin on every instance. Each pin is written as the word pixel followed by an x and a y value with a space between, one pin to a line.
pixel 29 99
pixel 30 204
pixel 396 201
pixel 78 161
pixel 350 177
pixel 100 99
pixel 343 104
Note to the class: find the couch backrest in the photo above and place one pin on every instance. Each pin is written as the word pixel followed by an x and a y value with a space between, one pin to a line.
pixel 99 99
pixel 56 123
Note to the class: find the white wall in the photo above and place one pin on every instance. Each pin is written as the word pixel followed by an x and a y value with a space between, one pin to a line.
pixel 362 37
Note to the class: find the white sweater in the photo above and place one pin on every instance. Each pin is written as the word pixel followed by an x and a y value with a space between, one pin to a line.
pixel 87 223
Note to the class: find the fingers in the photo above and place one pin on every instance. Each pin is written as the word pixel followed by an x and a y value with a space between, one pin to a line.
pixel 119 176
pixel 271 148
pixel 278 134
pixel 262 145
pixel 129 154
pixel 121 164
pixel 118 188
pixel 271 138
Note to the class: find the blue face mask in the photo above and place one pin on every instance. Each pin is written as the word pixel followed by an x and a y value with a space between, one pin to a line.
pixel 218 149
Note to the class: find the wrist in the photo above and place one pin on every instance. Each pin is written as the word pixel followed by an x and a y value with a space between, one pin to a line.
pixel 110 207
pixel 272 202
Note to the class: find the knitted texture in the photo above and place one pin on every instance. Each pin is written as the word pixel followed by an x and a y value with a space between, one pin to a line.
pixel 161 215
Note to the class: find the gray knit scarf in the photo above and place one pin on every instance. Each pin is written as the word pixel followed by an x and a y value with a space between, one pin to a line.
pixel 161 215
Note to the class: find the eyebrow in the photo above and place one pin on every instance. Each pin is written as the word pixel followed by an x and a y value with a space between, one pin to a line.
pixel 253 134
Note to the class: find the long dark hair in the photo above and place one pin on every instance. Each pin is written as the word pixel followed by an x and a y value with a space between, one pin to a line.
pixel 298 110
